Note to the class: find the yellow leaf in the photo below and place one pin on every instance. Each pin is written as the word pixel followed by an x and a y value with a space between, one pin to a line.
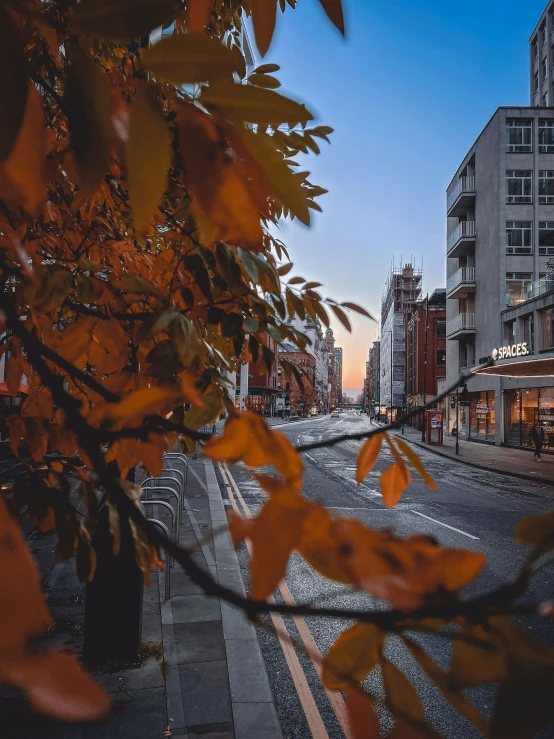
pixel 192 57
pixel 263 19
pixel 352 657
pixel 394 480
pixel 148 157
pixel 368 456
pixel 416 462
pixel 57 686
pixel 253 104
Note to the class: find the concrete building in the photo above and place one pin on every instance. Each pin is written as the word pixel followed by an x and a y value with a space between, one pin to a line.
pixel 541 60
pixel 373 388
pixel 425 351
pixel 500 237
pixel 338 373
pixel 402 290
pixel 318 348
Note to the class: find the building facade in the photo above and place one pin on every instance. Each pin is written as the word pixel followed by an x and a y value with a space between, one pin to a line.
pixel 338 373
pixel 299 399
pixel 318 349
pixel 425 351
pixel 402 290
pixel 500 238
pixel 541 60
pixel 373 388
pixel 263 387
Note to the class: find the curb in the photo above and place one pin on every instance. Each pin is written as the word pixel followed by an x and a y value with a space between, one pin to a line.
pixel 434 450
pixel 253 706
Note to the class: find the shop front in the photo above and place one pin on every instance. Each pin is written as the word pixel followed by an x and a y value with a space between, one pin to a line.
pixel 522 409
pixel 482 417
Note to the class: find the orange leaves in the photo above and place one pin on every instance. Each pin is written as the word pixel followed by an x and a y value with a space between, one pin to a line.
pixel 274 534
pixel 368 456
pixel 361 715
pixel 23 173
pixel 264 14
pixel 14 371
pixel 57 686
pixel 198 14
pixel 353 656
pixel 215 180
pixel 416 462
pixel 55 683
pixel 247 438
pixel 394 480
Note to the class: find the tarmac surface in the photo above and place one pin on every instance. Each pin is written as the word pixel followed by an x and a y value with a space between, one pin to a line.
pixel 472 508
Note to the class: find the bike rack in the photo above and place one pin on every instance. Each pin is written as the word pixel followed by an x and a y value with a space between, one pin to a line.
pixel 167 574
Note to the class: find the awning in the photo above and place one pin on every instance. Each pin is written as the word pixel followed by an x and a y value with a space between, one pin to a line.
pixel 4 389
pixel 521 368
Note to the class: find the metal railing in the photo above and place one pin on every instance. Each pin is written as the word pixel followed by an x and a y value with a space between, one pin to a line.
pixel 464 230
pixel 461 322
pixel 465 185
pixel 463 275
pixel 533 290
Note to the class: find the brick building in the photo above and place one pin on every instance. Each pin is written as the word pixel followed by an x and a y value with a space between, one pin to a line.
pixel 263 387
pixel 425 350
pixel 298 400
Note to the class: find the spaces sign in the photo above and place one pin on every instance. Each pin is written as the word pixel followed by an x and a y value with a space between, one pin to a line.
pixel 515 350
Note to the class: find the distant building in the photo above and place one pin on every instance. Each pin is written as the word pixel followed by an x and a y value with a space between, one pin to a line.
pixel 338 373
pixel 298 399
pixel 402 290
pixel 425 350
pixel 335 374
pixel 318 349
pixel 373 374
pixel 262 385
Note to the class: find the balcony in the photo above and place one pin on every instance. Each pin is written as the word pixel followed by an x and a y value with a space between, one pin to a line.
pixel 461 283
pixel 460 196
pixel 461 239
pixel 533 290
pixel 461 325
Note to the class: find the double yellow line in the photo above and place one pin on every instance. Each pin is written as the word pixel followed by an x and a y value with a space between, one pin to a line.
pixel 313 717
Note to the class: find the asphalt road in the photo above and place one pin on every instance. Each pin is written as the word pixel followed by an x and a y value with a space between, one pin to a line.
pixel 471 508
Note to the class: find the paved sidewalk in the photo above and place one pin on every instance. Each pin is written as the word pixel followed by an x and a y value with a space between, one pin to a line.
pixel 202 673
pixel 501 459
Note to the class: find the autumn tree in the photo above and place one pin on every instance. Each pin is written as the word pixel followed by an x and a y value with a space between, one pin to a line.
pixel 139 187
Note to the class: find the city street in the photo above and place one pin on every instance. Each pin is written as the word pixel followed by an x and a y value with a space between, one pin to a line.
pixel 471 509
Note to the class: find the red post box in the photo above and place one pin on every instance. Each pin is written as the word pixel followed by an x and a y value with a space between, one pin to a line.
pixel 435 427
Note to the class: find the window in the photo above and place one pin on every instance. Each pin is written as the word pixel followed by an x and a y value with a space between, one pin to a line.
pixel 441 329
pixel 547 319
pixel 536 83
pixel 519 186
pixel 546 186
pixel 518 135
pixel 510 332
pixel 441 357
pixel 518 237
pixel 535 50
pixel 517 280
pixel 544 67
pixel 546 238
pixel 545 100
pixel 546 136
pixel 542 34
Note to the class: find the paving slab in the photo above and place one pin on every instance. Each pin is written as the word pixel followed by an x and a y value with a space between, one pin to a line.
pixel 205 689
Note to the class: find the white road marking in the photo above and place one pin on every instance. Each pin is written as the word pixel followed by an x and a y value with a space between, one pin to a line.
pixel 446 525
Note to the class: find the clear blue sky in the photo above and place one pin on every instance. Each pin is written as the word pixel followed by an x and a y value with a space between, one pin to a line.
pixel 407 93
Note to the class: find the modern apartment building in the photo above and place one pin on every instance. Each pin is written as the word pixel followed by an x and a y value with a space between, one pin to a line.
pixel 541 59
pixel 500 241
pixel 402 290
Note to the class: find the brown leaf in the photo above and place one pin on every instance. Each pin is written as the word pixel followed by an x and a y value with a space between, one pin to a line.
pixel 198 14
pixel 401 696
pixel 264 14
pixel 367 456
pixel 362 718
pixel 88 108
pixel 23 173
pixel 536 531
pixel 122 20
pixel 13 84
pixel 341 315
pixel 333 9
pixel 239 527
pixel 148 157
pixel 416 462
pixel 355 653
pixel 473 665
pixel 394 480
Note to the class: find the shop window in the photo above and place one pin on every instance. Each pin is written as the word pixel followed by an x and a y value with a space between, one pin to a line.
pixel 482 416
